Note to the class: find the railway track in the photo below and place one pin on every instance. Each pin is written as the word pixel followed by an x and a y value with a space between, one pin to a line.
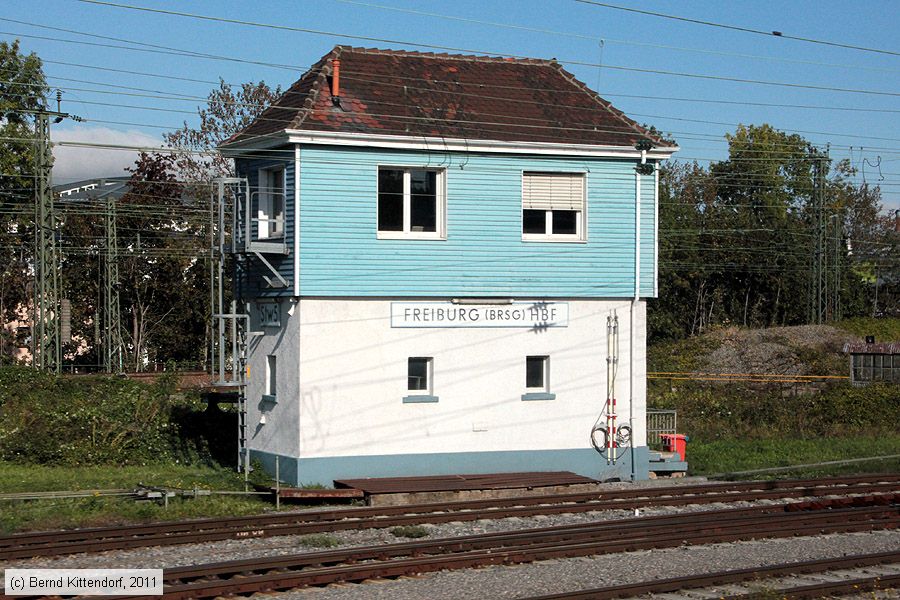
pixel 808 579
pixel 505 548
pixel 55 543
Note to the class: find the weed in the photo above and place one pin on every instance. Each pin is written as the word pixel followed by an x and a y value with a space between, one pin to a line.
pixel 409 531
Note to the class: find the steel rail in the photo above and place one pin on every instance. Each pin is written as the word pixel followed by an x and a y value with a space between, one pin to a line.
pixel 392 560
pixel 652 526
pixel 674 584
pixel 386 561
pixel 826 589
pixel 204 530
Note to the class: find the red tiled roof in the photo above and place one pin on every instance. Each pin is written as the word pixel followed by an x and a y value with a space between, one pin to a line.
pixel 880 348
pixel 452 96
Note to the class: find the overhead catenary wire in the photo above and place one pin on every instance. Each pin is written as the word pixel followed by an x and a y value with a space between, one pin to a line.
pixel 469 50
pixel 606 39
pixel 776 34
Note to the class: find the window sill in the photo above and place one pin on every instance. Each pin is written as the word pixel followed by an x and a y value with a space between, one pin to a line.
pixel 539 396
pixel 279 246
pixel 555 240
pixel 399 235
pixel 419 398
pixel 269 398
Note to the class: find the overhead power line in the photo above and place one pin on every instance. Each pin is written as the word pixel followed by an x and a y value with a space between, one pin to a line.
pixel 474 51
pixel 778 34
pixel 604 39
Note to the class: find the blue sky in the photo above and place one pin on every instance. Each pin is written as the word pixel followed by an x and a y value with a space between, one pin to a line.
pixel 570 31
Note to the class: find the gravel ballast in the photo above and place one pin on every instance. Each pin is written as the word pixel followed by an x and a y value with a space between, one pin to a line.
pixel 500 582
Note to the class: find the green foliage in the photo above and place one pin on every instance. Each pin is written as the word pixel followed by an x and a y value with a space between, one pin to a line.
pixel 92 420
pixel 409 531
pixel 100 511
pixel 732 410
pixel 681 356
pixel 163 237
pixel 736 247
pixel 737 454
pixel 23 89
pixel 884 329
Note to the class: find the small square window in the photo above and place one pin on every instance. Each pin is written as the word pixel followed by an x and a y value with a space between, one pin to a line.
pixel 419 375
pixel 420 380
pixel 536 372
pixel 537 378
pixel 410 203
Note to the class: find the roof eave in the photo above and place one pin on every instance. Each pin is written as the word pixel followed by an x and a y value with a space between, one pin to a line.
pixel 403 142
pixel 236 148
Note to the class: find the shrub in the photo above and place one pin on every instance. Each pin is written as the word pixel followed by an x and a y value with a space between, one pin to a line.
pixel 90 420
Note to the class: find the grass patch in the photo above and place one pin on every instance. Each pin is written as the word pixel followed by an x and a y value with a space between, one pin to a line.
pixel 100 511
pixel 409 531
pixel 729 455
pixel 680 356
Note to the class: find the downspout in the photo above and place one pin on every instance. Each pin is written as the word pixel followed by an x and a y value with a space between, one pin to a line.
pixel 634 302
pixel 297 221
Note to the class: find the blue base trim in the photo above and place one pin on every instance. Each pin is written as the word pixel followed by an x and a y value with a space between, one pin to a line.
pixel 583 461
pixel 539 396
pixel 287 466
pixel 420 398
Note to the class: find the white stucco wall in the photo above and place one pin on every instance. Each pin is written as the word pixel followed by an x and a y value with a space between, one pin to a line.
pixel 280 432
pixel 352 369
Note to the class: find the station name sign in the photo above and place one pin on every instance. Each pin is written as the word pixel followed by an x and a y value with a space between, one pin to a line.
pixel 531 315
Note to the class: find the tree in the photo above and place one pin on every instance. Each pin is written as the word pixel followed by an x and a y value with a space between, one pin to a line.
pixel 23 90
pixel 164 235
pixel 227 112
pixel 736 239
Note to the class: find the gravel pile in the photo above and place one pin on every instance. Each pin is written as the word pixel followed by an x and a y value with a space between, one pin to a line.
pixel 773 350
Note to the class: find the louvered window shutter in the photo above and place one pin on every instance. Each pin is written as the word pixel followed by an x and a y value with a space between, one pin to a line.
pixel 553 191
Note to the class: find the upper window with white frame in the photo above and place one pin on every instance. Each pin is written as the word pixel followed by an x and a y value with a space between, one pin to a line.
pixel 553 207
pixel 410 203
pixel 270 208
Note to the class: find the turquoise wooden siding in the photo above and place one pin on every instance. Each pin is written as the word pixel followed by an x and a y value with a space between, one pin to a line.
pixel 254 285
pixel 648 227
pixel 483 254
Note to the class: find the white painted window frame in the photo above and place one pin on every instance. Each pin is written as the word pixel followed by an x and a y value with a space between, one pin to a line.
pixel 266 204
pixel 271 382
pixel 580 218
pixel 440 232
pixel 429 375
pixel 546 374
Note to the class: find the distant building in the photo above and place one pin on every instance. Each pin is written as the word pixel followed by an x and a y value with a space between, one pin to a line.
pixel 93 189
pixel 440 255
pixel 873 362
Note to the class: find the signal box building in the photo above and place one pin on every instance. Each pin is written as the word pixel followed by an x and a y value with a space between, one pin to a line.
pixel 446 260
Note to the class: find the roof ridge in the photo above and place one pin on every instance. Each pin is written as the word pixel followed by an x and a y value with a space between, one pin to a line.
pixel 447 56
pixel 326 67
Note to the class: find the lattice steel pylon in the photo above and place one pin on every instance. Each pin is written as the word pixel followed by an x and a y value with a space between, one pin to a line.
pixel 46 351
pixel 112 315
pixel 819 278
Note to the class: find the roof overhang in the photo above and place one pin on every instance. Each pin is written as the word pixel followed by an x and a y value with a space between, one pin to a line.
pixel 440 144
